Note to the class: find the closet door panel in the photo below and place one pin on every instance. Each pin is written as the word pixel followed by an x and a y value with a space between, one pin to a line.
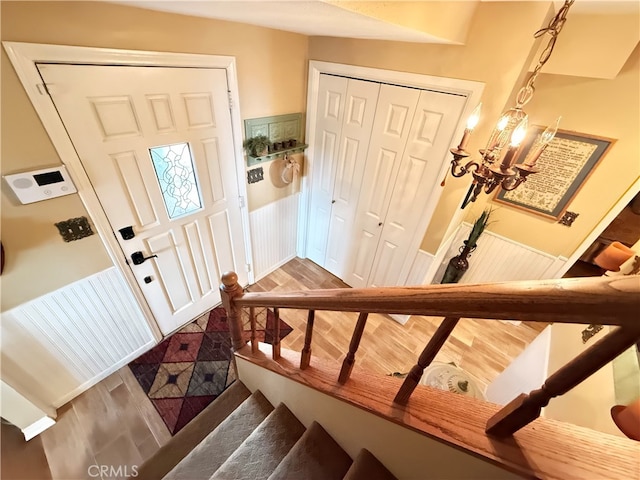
pixel 359 111
pixel 430 136
pixel 394 114
pixel 331 102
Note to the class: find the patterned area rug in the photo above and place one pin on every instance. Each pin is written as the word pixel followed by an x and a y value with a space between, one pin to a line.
pixel 188 370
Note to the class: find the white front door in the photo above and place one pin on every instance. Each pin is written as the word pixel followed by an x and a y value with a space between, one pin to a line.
pixel 156 143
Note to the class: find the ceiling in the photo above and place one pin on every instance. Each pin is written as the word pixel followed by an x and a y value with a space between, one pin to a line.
pixel 347 19
pixel 312 18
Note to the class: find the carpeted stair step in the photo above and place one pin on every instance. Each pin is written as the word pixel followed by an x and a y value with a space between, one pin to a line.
pixel 179 446
pixel 264 449
pixel 368 467
pixel 218 446
pixel 316 456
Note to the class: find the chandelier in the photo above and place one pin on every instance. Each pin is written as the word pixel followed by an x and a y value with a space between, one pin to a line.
pixel 492 172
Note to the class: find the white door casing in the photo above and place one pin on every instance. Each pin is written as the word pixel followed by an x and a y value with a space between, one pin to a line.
pixel 114 115
pixel 470 90
pixel 359 110
pixel 397 106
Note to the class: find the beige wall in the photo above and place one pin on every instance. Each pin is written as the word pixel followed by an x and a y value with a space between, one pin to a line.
pixel 608 108
pixel 487 57
pixel 272 68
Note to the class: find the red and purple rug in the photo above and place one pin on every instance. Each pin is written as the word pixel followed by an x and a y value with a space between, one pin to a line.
pixel 188 370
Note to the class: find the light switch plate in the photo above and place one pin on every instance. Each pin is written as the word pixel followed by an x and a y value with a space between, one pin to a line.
pixel 74 229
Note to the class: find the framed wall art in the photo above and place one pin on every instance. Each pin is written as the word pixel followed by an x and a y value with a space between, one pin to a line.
pixel 565 165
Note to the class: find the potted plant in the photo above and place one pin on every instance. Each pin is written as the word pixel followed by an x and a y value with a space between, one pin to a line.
pixel 459 264
pixel 257 146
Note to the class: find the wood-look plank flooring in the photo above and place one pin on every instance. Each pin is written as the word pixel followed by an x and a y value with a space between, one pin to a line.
pixel 114 422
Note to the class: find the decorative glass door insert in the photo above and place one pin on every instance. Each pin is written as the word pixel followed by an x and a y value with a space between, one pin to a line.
pixel 177 178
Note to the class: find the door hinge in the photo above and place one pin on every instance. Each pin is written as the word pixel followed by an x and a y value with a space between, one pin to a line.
pixel 247 267
pixel 242 202
pixel 43 89
pixel 230 99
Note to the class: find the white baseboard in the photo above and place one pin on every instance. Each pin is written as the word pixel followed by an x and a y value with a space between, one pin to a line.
pixel 37 427
pixel 104 374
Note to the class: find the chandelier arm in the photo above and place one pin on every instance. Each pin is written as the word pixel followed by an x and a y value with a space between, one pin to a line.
pixel 512 183
pixel 458 170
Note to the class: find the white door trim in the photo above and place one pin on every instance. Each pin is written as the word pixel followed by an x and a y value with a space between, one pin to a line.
pixel 468 88
pixel 25 56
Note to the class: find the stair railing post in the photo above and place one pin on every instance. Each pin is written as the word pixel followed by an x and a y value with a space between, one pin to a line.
pixel 426 357
pixel 350 359
pixel 525 408
pixel 230 290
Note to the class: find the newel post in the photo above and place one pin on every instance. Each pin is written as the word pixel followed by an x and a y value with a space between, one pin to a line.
pixel 230 290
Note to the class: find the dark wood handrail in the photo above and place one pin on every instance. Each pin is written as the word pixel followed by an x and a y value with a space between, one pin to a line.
pixel 602 300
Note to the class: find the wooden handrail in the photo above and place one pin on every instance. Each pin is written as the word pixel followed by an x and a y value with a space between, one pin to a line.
pixel 613 301
pixel 602 300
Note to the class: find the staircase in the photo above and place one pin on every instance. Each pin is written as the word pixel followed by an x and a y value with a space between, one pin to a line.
pixel 416 430
pixel 258 441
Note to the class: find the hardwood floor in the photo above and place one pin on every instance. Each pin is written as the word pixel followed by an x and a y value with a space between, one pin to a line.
pixel 114 423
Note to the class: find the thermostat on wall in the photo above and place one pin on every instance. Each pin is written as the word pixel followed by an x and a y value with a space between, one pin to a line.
pixel 40 185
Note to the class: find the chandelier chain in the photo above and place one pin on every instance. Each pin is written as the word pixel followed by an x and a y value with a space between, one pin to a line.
pixel 553 29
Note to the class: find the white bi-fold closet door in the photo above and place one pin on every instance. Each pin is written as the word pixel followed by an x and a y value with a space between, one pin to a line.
pixel 377 155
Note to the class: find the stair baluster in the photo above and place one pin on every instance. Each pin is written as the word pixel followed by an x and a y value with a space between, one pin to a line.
pixel 275 346
pixel 350 359
pixel 525 408
pixel 426 357
pixel 230 291
pixel 305 357
pixel 252 320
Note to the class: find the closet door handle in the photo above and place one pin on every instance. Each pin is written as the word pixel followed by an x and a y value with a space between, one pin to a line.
pixel 332 202
pixel 380 224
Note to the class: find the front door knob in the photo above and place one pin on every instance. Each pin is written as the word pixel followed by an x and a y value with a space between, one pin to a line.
pixel 127 233
pixel 138 257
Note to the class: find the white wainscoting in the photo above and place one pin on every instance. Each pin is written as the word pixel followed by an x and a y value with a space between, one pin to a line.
pixel 274 232
pixel 499 259
pixel 60 344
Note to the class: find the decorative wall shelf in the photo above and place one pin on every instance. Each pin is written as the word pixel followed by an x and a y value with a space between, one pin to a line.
pixel 279 128
pixel 251 160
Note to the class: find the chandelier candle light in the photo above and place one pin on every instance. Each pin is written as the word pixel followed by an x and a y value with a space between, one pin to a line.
pixel 491 173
